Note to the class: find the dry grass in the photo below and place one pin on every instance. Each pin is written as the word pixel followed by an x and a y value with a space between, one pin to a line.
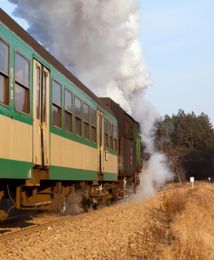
pixel 181 227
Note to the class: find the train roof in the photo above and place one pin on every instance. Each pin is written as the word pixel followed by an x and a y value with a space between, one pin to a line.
pixel 118 107
pixel 26 37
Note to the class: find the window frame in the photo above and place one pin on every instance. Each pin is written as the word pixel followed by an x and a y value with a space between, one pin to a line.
pixel 7 76
pixel 21 84
pixel 111 142
pixel 93 125
pixel 54 104
pixel 78 117
pixel 115 137
pixel 106 132
pixel 66 111
pixel 86 121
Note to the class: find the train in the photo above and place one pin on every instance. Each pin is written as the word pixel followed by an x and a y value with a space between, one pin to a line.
pixel 57 136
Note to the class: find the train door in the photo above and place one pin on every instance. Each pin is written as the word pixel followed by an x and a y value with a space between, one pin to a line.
pixel 40 114
pixel 100 142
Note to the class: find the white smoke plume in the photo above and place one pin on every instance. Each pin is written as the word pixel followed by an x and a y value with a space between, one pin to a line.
pixel 155 174
pixel 98 41
pixel 156 171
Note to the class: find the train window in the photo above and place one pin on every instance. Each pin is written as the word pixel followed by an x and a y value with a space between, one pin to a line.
pixel 115 144
pixel 106 140
pixel 111 135
pixel 68 110
pixel 68 122
pixel 93 117
pixel 86 130
pixel 93 134
pixel 86 112
pixel 4 57
pixel 56 93
pixel 22 70
pixel 57 116
pixel 22 99
pixel 78 107
pixel 115 137
pixel 4 73
pixel 78 116
pixel 22 83
pixel 93 125
pixel 56 104
pixel 114 131
pixel 4 90
pixel 110 129
pixel 68 101
pixel 106 124
pixel 78 126
pixel 111 142
pixel 86 121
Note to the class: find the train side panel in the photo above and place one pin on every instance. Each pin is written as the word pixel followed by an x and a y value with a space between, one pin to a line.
pixel 15 126
pixel 72 160
pixel 129 143
pixel 72 156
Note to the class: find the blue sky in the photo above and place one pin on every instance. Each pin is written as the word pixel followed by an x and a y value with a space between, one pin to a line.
pixel 178 41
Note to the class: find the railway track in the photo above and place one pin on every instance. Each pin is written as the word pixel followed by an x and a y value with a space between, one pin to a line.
pixel 30 224
pixel 32 228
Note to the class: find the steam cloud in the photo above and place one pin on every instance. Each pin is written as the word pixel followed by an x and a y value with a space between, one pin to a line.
pixel 98 41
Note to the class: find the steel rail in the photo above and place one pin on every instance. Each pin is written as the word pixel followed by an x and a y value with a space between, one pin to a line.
pixel 35 227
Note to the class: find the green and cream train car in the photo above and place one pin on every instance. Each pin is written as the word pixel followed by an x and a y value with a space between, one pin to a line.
pixel 51 126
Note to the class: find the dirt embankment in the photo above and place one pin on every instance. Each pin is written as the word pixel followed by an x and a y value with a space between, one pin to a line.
pixel 175 224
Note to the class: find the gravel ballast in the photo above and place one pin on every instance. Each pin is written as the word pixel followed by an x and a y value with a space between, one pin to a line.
pixel 101 234
pixel 157 228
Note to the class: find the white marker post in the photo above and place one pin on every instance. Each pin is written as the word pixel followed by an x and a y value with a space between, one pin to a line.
pixel 209 179
pixel 192 179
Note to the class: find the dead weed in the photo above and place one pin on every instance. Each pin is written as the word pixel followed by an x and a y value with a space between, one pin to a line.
pixel 177 228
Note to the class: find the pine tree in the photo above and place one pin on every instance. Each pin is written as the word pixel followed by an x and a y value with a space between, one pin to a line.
pixel 188 140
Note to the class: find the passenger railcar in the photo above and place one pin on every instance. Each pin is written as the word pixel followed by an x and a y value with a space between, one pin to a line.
pixel 52 129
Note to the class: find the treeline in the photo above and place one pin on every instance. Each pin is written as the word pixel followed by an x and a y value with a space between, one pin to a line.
pixel 188 140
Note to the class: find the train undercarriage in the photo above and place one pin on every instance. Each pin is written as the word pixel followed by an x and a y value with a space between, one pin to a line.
pixel 39 193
